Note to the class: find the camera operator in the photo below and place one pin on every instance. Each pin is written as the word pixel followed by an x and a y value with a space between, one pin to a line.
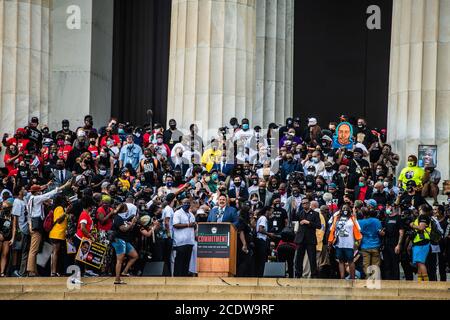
pixel 411 198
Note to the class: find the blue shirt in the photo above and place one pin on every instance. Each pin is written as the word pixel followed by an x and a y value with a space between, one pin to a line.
pixel 131 153
pixel 369 230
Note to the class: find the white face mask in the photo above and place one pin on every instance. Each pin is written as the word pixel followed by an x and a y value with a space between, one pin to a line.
pixel 386 184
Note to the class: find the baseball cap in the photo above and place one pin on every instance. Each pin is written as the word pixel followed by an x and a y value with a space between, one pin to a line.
pixel 145 220
pixel 371 202
pixel 411 183
pixel 34 120
pixel 359 150
pixel 312 121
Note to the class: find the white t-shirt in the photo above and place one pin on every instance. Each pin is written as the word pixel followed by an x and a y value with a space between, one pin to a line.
pixel 262 221
pixel 168 213
pixel 344 233
pixel 183 236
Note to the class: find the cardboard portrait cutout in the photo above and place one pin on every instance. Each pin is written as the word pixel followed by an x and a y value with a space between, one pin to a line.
pixel 343 136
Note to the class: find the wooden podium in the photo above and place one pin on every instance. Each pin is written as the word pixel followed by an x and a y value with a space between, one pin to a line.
pixel 216 249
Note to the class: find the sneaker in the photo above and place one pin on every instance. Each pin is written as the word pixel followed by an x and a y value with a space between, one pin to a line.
pixel 17 274
pixel 91 273
pixel 76 281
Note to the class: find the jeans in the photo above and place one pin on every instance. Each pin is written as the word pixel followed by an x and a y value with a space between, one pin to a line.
pixel 36 238
pixel 26 240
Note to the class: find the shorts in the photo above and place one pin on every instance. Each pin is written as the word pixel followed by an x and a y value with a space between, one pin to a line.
pixel 344 254
pixel 420 253
pixel 122 247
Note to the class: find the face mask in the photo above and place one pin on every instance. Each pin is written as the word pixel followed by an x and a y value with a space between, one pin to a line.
pixel 378 172
pixel 159 141
pixel 121 131
pixel 386 184
pixel 169 184
pixel 245 126
pixel 92 142
pixel 343 175
pixel 66 128
pixel 173 127
pixel 237 183
pixel 388 211
pixel 255 182
pixel 277 206
pixel 60 143
pixel 102 172
pixel 215 177
pixel 296 194
pixel 311 173
pixel 207 179
pixel 329 169
pixel 60 167
pixel 410 164
pixel 253 202
pixel 345 212
pixel 315 160
pixel 361 184
pixel 186 207
pixel 262 189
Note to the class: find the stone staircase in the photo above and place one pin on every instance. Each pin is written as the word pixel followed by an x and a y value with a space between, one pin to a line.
pixel 160 288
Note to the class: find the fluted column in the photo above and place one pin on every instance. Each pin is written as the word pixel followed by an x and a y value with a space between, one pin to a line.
pixel 24 57
pixel 419 84
pixel 211 72
pixel 274 60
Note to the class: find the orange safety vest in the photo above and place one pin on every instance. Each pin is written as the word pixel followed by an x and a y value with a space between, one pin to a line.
pixel 356 230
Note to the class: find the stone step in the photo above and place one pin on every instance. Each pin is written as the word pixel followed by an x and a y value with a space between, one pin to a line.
pixel 188 290
pixel 142 288
pixel 271 282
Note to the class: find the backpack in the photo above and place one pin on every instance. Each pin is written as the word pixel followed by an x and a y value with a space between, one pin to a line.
pixel 435 233
pixel 48 222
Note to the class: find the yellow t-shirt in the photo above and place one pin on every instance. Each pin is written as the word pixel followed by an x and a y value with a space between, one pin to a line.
pixel 210 157
pixel 411 173
pixel 59 229
pixel 125 184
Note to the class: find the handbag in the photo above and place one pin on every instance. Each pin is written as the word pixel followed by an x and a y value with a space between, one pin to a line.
pixel 37 224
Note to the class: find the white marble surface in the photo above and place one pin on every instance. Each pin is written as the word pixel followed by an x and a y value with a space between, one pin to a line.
pixel 81 69
pixel 211 69
pixel 419 85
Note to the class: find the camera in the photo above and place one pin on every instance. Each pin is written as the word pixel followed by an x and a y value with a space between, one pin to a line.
pixel 223 130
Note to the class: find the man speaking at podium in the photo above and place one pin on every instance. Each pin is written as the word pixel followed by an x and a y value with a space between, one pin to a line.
pixel 223 213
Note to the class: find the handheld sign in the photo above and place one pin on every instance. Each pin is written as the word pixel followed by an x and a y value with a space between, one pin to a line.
pixel 343 136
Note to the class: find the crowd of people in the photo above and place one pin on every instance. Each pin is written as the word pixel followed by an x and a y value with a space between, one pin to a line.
pixel 141 191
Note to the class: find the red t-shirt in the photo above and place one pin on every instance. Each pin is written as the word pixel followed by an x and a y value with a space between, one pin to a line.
pixel 63 152
pixel 21 143
pixel 93 150
pixel 10 166
pixel 114 136
pixel 86 219
pixel 362 193
pixel 106 225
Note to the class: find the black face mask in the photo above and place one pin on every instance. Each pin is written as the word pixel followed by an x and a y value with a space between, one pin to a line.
pixel 173 127
pixel 92 143
pixel 262 190
pixel 296 194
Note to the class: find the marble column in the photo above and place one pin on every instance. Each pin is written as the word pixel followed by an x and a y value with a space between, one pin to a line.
pixel 274 60
pixel 24 62
pixel 212 60
pixel 81 62
pixel 419 84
